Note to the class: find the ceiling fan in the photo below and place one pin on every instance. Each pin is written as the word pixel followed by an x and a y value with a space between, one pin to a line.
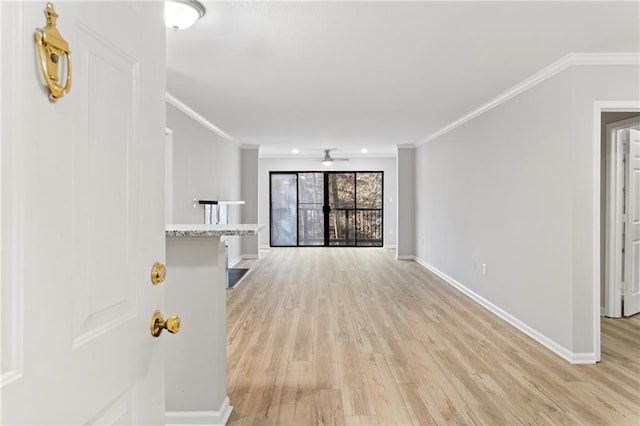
pixel 328 160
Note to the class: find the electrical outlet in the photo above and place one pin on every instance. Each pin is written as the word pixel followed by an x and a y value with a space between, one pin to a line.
pixel 391 231
pixel 484 269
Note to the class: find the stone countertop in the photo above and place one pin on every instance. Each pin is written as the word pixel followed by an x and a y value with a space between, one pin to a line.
pixel 199 230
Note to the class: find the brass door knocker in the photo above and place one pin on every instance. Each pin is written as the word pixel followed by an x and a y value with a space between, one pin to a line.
pixel 51 49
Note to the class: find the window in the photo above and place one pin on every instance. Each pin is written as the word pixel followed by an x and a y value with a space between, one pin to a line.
pixel 327 209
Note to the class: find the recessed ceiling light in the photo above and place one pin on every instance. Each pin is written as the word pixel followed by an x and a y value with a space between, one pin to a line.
pixel 364 150
pixel 295 151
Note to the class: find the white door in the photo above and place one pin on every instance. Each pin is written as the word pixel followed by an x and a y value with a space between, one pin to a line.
pixel 82 217
pixel 632 226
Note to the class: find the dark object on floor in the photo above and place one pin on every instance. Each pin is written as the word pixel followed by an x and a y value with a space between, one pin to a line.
pixel 235 275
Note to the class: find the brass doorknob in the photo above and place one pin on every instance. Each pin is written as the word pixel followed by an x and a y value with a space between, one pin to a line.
pixel 158 323
pixel 158 273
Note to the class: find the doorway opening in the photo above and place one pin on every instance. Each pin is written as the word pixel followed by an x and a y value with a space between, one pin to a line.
pixel 621 199
pixel 328 209
pixel 606 112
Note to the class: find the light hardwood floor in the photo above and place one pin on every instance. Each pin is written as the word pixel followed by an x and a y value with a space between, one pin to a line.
pixel 352 336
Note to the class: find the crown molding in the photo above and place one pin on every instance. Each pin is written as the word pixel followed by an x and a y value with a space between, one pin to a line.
pixel 612 58
pixel 200 119
pixel 250 146
pixel 406 146
pixel 358 156
pixel 572 59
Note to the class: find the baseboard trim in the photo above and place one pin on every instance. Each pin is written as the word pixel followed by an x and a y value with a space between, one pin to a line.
pixel 583 358
pixel 390 246
pixel 234 262
pixel 573 358
pixel 209 418
pixel 242 257
pixel 405 257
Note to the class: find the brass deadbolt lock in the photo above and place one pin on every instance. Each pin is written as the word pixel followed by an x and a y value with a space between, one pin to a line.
pixel 158 273
pixel 158 323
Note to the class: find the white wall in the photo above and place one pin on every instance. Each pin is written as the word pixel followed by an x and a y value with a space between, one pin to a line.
pixel 249 190
pixel 387 165
pixel 514 189
pixel 406 166
pixel 206 167
pixel 590 84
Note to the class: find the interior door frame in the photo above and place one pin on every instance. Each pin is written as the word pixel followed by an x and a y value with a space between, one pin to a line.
pixel 598 108
pixel 614 221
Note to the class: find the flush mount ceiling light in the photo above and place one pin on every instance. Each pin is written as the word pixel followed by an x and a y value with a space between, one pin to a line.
pixel 181 14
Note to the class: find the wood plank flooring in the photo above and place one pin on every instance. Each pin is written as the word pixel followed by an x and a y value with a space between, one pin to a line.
pixel 354 337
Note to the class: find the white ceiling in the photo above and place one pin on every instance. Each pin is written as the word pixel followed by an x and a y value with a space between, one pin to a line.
pixel 315 75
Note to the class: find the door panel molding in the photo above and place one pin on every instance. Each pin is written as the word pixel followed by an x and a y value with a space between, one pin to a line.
pixel 103 146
